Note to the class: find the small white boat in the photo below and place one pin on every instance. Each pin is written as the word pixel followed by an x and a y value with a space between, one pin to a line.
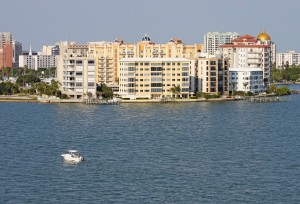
pixel 73 156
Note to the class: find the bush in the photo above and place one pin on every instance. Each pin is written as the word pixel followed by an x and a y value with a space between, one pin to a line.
pixel 64 96
pixel 208 96
pixel 200 94
pixel 126 98
pixel 142 98
pixel 284 90
pixel 194 97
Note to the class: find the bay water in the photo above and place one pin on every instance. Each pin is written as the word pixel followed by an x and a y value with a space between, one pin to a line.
pixel 207 152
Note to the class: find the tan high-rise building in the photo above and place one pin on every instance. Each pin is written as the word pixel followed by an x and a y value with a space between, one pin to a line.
pixel 109 54
pixel 154 77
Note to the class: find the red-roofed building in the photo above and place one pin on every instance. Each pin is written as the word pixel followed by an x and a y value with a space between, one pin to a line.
pixel 251 52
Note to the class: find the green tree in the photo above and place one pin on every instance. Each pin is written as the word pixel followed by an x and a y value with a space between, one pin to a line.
pixel 245 84
pixel 104 91
pixel 284 90
pixel 176 90
pixel 27 79
pixel 272 89
pixel 232 85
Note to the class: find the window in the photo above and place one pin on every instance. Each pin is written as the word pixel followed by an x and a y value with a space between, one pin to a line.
pixel 156 69
pixel 156 84
pixel 156 89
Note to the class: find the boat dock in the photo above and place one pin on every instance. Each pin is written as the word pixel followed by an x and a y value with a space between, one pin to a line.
pixel 267 99
pixel 294 91
pixel 96 101
pixel 168 100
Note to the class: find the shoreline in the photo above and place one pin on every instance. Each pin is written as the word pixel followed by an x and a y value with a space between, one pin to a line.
pixel 31 100
pixel 287 83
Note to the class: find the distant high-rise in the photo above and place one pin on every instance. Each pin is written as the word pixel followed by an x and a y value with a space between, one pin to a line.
pixel 6 49
pixel 213 40
pixel 44 59
pixel 292 58
pixel 17 51
pixel 5 38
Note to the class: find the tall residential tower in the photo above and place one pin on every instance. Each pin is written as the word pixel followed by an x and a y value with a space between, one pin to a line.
pixel 213 41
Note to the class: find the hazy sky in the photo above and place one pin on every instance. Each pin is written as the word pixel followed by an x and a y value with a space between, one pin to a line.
pixel 45 22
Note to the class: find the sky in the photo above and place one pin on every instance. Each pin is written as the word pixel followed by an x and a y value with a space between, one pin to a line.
pixel 45 22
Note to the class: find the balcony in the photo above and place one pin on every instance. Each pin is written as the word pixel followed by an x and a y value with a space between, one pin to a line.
pixel 254 61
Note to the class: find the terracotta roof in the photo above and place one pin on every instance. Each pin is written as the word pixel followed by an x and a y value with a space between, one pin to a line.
pixel 245 38
pixel 243 45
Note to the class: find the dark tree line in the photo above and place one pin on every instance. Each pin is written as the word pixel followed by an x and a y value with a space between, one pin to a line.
pixel 286 73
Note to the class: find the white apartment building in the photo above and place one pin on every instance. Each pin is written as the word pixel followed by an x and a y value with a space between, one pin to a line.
pixel 246 79
pixel 76 70
pixel 49 50
pixel 33 61
pixel 250 52
pixel 153 77
pixel 213 40
pixel 29 61
pixel 45 61
pixel 292 58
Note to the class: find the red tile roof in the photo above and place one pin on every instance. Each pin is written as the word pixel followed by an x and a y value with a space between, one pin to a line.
pixel 245 38
pixel 243 46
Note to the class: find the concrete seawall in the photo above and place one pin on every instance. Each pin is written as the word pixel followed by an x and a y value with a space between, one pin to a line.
pixel 25 99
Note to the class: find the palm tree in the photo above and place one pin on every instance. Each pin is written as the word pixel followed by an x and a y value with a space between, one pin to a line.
pixel 175 90
pixel 245 84
pixel 232 84
pixel 265 83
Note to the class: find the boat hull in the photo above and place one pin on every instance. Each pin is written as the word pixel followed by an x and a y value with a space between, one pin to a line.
pixel 71 158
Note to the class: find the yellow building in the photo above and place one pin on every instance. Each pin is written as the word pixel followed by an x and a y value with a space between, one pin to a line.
pixel 109 54
pixel 153 77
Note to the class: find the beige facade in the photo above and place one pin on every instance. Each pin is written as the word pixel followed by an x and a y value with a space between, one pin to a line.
pixel 153 77
pixel 109 54
pixel 212 75
pixel 107 57
pixel 76 70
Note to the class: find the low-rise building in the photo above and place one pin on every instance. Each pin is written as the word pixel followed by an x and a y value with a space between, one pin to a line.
pixel 246 79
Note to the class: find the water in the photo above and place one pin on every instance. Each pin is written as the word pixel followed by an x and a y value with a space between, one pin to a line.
pixel 217 152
